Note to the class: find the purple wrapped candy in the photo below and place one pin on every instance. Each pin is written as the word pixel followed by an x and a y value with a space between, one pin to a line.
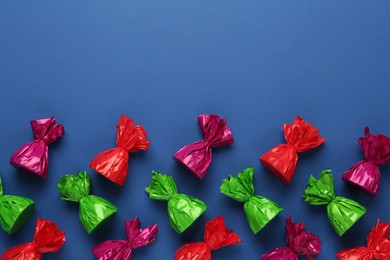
pixel 122 249
pixel 196 157
pixel 300 242
pixel 365 174
pixel 34 156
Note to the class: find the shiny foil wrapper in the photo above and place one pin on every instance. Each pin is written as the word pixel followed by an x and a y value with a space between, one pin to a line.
pixel 196 157
pixel 122 249
pixel 113 163
pixel 15 211
pixel 47 238
pixel 33 157
pixel 300 242
pixel 343 213
pixel 282 160
pixel 183 210
pixel 215 236
pixel 365 174
pixel 378 245
pixel 94 211
pixel 259 210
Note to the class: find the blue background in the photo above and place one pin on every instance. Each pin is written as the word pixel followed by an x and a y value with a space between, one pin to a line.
pixel 256 63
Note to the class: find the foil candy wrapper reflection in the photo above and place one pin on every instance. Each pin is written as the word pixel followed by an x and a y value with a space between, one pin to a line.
pixel 122 249
pixel 33 157
pixel 343 213
pixel 196 157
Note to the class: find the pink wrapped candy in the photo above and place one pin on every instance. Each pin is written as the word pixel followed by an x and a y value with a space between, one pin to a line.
pixel 34 156
pixel 300 242
pixel 196 157
pixel 122 249
pixel 365 174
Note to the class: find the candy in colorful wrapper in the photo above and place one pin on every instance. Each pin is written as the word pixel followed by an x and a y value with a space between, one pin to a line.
pixel 282 160
pixel 183 210
pixel 196 157
pixel 258 209
pixel 14 211
pixel 215 236
pixel 365 174
pixel 34 156
pixel 122 249
pixel 343 213
pixel 378 246
pixel 94 211
pixel 47 238
pixel 300 242
pixel 113 163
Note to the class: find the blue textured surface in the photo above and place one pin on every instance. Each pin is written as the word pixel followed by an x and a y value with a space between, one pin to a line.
pixel 256 63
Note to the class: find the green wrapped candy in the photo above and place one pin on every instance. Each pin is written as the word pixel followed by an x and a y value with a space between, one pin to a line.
pixel 14 211
pixel 259 210
pixel 343 213
pixel 94 211
pixel 183 210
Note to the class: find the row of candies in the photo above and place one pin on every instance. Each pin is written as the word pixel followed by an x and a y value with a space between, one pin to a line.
pixel 48 238
pixel 281 160
pixel 196 157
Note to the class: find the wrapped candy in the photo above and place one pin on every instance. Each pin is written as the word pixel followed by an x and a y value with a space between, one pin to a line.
pixel 343 213
pixel 183 210
pixel 300 242
pixel 47 238
pixel 258 209
pixel 365 174
pixel 122 249
pixel 282 160
pixel 215 236
pixel 196 157
pixel 14 211
pixel 378 246
pixel 94 211
pixel 113 163
pixel 34 156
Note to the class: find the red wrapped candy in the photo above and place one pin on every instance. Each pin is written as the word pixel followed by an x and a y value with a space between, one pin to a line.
pixel 378 246
pixel 215 236
pixel 365 174
pixel 282 160
pixel 113 163
pixel 47 238
pixel 34 156
pixel 196 157
pixel 300 242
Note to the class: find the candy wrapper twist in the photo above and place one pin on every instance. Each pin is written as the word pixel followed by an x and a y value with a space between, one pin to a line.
pixel 365 174
pixel 113 163
pixel 300 242
pixel 343 213
pixel 122 249
pixel 47 238
pixel 183 210
pixel 34 156
pixel 94 211
pixel 378 246
pixel 258 209
pixel 215 236
pixel 14 211
pixel 196 157
pixel 282 160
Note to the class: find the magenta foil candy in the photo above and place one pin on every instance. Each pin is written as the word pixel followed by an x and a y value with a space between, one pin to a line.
pixel 122 249
pixel 196 157
pixel 300 242
pixel 365 174
pixel 34 156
